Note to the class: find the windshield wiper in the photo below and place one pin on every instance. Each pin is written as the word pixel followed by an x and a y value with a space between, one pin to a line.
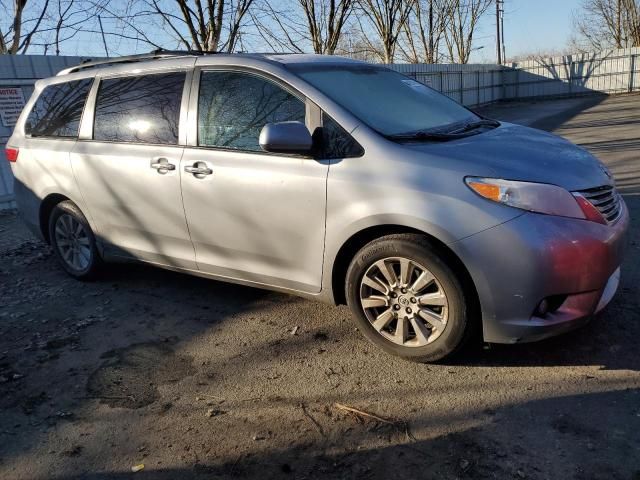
pixel 423 135
pixel 485 122
pixel 441 136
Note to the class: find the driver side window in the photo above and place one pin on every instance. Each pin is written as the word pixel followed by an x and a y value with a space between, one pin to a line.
pixel 234 106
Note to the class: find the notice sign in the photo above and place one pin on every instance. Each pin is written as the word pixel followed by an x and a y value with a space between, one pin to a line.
pixel 11 104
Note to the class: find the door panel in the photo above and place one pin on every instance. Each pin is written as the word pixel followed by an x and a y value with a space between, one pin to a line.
pixel 257 217
pixel 129 173
pixel 137 207
pixel 252 216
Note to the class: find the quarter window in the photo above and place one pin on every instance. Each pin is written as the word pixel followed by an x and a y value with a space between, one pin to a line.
pixel 336 142
pixel 233 107
pixel 143 109
pixel 58 110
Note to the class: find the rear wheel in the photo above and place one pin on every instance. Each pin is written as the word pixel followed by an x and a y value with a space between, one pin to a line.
pixel 73 241
pixel 406 299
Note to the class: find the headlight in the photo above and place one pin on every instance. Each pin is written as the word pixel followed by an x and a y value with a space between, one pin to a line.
pixel 535 197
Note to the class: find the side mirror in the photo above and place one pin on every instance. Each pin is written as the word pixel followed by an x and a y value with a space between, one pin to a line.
pixel 286 137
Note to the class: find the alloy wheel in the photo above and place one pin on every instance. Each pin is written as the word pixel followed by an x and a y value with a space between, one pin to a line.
pixel 404 301
pixel 72 242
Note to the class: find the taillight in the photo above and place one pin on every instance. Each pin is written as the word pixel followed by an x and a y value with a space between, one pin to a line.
pixel 11 154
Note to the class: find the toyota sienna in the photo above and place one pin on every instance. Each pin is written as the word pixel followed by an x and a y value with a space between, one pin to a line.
pixel 323 177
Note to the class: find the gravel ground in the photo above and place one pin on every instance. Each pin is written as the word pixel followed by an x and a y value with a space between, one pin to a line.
pixel 199 379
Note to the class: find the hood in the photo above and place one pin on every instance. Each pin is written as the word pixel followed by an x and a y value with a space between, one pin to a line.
pixel 514 152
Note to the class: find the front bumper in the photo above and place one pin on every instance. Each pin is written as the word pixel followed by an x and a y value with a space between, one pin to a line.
pixel 519 263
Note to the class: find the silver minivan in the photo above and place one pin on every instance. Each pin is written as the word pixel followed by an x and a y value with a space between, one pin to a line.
pixel 324 177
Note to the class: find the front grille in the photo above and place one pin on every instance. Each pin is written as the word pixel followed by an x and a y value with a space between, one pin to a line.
pixel 606 200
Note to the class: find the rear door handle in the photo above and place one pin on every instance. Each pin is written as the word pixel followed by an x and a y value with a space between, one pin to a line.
pixel 198 169
pixel 162 165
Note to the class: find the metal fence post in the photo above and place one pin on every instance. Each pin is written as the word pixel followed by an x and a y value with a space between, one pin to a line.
pixel 632 69
pixel 461 87
pixel 570 76
pixel 478 87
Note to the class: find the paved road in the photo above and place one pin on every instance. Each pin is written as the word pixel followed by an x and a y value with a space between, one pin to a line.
pixel 198 379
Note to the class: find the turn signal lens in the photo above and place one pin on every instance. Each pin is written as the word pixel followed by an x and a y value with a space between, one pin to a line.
pixel 11 154
pixel 492 192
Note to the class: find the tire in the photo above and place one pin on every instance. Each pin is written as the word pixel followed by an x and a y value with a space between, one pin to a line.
pixel 428 302
pixel 73 241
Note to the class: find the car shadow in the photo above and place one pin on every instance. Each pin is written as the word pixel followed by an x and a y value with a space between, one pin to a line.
pixel 594 436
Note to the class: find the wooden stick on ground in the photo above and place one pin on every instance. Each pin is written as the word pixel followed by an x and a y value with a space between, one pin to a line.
pixel 340 406
pixel 397 424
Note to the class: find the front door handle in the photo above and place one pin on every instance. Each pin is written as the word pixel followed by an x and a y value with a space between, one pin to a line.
pixel 162 165
pixel 199 169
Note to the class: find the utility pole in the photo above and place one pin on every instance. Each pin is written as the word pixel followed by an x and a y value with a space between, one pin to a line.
pixel 504 52
pixel 498 35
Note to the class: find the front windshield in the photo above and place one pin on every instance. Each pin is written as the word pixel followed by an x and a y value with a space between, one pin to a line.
pixel 387 101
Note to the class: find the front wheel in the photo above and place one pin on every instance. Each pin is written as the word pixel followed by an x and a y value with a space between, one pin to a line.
pixel 73 241
pixel 406 299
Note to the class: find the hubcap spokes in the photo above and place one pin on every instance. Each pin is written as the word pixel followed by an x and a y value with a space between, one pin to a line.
pixel 72 242
pixel 404 301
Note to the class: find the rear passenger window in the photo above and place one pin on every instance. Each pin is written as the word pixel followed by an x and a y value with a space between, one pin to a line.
pixel 58 110
pixel 143 109
pixel 233 107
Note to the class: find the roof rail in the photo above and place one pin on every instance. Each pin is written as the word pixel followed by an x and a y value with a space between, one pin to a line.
pixel 159 53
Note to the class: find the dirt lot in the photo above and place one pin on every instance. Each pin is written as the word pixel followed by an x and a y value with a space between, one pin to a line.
pixel 198 379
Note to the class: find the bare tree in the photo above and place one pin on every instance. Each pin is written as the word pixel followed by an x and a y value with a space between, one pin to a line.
pixel 67 20
pixel 424 31
pixel 24 23
pixel 280 28
pixel 315 24
pixel 325 21
pixel 211 26
pixel 603 24
pixel 355 44
pixel 464 18
pixel 388 18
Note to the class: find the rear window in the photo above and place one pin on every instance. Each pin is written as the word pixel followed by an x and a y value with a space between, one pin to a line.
pixel 58 110
pixel 143 109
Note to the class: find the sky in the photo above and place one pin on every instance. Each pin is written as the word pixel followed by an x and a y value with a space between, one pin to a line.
pixel 530 26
